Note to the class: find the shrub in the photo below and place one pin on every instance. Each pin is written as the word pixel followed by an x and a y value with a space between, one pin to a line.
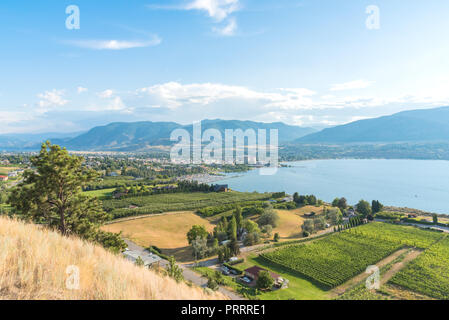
pixel 264 281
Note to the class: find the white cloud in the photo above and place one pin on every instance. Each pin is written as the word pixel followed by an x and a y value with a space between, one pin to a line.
pixel 52 98
pixel 115 44
pixel 174 94
pixel 216 9
pixel 357 84
pixel 81 90
pixel 229 29
pixel 108 93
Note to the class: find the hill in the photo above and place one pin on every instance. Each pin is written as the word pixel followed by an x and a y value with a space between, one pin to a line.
pixel 429 125
pixel 135 136
pixel 33 264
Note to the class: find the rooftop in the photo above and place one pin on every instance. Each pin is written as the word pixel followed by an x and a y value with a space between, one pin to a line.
pixel 148 258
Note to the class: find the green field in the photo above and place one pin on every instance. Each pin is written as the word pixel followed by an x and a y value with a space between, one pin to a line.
pixel 429 273
pixel 331 261
pixel 298 288
pixel 410 236
pixel 100 194
pixel 176 202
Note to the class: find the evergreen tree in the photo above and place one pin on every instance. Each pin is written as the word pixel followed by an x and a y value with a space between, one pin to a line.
pixel 174 270
pixel 238 217
pixel 52 194
pixel 232 228
pixel 139 262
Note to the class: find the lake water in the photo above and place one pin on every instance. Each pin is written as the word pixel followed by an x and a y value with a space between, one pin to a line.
pixel 420 184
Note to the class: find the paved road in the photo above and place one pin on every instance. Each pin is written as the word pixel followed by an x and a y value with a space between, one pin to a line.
pixel 190 275
pixel 444 229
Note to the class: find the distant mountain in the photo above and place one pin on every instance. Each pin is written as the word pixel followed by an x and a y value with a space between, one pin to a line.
pixel 135 136
pixel 121 135
pixel 428 125
pixel 31 141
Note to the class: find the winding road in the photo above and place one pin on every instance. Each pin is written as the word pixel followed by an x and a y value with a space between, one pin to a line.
pixel 189 275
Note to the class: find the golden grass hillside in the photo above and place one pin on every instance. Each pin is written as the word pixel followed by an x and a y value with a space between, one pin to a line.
pixel 34 261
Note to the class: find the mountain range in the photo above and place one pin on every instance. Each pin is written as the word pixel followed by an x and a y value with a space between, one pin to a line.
pixel 415 126
pixel 140 136
pixel 424 125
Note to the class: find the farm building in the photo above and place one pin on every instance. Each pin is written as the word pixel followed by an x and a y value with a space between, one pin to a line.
pixel 254 271
pixel 3 178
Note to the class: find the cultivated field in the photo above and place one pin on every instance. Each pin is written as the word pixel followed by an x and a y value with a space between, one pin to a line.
pixel 335 259
pixel 410 236
pixel 177 202
pixel 100 194
pixel 429 273
pixel 166 231
pixel 319 265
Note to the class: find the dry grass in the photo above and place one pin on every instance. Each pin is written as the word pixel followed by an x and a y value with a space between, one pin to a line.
pixel 33 264
pixel 289 225
pixel 167 231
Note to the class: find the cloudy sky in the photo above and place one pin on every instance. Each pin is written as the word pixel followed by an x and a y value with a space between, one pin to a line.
pixel 310 62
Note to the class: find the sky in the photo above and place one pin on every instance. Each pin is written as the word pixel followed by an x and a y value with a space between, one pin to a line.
pixel 303 62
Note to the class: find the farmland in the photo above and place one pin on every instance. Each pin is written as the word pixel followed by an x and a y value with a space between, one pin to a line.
pixel 409 236
pixel 334 259
pixel 429 273
pixel 176 202
pixel 101 194
pixel 167 231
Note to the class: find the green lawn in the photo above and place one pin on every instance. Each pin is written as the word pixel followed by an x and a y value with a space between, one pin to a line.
pixel 298 289
pixel 100 194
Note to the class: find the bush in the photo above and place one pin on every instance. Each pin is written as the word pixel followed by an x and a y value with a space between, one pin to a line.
pixel 212 284
pixel 269 217
pixel 306 234
pixel 264 281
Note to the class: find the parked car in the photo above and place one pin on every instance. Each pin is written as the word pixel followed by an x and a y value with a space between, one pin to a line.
pixel 225 270
pixel 246 279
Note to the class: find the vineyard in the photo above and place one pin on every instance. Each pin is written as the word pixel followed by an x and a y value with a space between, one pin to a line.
pixel 333 260
pixel 410 236
pixel 429 273
pixel 132 206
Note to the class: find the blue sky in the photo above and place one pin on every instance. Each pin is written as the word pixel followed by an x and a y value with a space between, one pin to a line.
pixel 309 62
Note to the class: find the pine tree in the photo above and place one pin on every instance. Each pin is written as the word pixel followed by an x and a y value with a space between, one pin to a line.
pixel 174 270
pixel 52 194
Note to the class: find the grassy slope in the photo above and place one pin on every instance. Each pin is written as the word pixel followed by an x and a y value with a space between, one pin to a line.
pixel 33 264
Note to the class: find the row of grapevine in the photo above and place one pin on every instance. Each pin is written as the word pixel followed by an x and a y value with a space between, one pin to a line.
pixel 429 273
pixel 335 259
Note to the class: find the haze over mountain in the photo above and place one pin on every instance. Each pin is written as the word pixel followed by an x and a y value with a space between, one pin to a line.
pixel 425 125
pixel 133 136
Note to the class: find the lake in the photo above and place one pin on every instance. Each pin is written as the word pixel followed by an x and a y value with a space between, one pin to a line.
pixel 420 184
